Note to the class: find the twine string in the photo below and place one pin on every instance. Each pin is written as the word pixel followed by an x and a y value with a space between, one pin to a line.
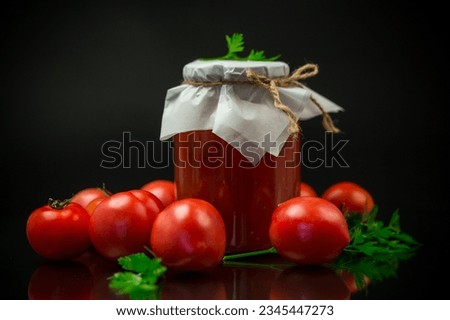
pixel 272 84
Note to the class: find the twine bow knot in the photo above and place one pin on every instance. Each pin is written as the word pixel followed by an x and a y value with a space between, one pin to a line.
pixel 272 84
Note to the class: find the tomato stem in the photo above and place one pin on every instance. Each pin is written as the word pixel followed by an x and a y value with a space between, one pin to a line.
pixel 105 191
pixel 249 254
pixel 58 204
pixel 150 252
pixel 274 266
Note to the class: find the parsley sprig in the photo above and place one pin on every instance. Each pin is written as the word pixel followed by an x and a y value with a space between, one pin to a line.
pixel 370 236
pixel 235 44
pixel 375 249
pixel 141 280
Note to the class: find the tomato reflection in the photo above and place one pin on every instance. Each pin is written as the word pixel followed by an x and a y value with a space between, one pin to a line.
pixel 101 269
pixel 265 278
pixel 350 281
pixel 60 281
pixel 193 286
pixel 97 264
pixel 86 277
pixel 102 291
pixel 309 283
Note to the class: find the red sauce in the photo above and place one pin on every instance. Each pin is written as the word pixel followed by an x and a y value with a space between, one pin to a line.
pixel 209 168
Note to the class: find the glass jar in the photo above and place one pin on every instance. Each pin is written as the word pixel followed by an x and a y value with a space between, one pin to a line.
pixel 219 119
pixel 209 168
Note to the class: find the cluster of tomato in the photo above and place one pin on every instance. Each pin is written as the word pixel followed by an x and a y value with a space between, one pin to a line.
pixel 188 234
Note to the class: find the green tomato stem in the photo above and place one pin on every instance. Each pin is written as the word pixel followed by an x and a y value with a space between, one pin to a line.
pixel 105 191
pixel 274 266
pixel 58 204
pixel 249 254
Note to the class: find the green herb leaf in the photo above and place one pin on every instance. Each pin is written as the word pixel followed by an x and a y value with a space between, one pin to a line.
pixel 375 267
pixel 394 223
pixel 126 282
pixel 260 56
pixel 235 44
pixel 406 238
pixel 375 249
pixel 138 262
pixel 141 279
pixel 370 236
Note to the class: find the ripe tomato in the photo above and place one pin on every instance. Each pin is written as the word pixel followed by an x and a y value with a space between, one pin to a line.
pixel 349 196
pixel 83 197
pixel 164 190
pixel 93 204
pixel 306 190
pixel 308 230
pixel 189 235
pixel 59 230
pixel 121 224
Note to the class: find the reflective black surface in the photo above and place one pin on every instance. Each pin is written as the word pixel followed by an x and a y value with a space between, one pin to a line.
pixel 75 74
pixel 262 278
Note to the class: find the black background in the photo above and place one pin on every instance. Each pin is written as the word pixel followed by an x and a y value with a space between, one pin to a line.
pixel 76 74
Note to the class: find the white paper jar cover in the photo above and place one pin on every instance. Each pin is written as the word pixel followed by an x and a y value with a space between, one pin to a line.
pixel 238 113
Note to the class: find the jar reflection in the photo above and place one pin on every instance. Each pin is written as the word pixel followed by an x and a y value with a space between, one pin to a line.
pixel 309 283
pixel 249 283
pixel 193 286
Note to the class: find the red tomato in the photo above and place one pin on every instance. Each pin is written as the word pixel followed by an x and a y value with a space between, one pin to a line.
pixel 93 204
pixel 306 190
pixel 85 196
pixel 68 281
pixel 309 283
pixel 349 196
pixel 164 190
pixel 189 235
pixel 308 230
pixel 59 230
pixel 121 224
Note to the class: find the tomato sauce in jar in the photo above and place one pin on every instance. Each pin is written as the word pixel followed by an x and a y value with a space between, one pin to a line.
pixel 209 168
pixel 219 119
